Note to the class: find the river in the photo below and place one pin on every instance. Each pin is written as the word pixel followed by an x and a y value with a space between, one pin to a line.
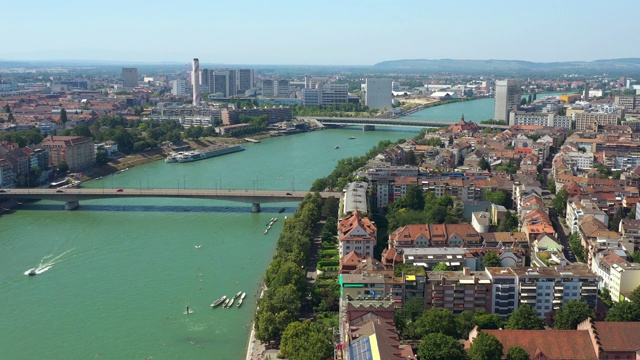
pixel 118 274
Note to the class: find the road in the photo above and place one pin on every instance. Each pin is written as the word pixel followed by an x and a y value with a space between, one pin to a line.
pixel 562 235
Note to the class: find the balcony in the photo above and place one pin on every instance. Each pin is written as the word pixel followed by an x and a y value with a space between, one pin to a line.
pixel 528 301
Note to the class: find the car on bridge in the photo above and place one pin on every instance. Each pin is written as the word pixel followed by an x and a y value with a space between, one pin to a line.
pixel 120 190
pixel 59 191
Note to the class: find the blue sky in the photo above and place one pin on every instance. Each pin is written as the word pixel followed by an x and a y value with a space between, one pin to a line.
pixel 322 32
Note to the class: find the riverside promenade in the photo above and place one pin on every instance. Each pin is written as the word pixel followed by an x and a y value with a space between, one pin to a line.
pixel 255 349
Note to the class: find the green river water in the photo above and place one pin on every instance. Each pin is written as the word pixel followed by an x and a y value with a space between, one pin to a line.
pixel 123 271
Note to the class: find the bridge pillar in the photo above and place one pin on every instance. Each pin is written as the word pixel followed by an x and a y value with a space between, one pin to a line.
pixel 368 128
pixel 255 208
pixel 71 205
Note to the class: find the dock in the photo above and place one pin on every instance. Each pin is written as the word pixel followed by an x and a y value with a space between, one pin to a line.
pixel 252 140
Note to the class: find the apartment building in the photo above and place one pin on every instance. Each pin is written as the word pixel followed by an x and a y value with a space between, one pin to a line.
pixel 356 233
pixel 325 94
pixel 586 121
pixel 540 119
pixel 504 291
pixel 625 277
pixel 458 291
pixel 578 209
pixel 546 289
pixel 275 114
pixel 78 152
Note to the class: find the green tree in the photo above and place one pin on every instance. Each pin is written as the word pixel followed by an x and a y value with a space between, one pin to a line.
pixel 436 320
pixel 441 267
pixel 517 353
pixel 614 223
pixel 635 296
pixel 63 116
pixel 306 341
pixel 101 157
pixel 559 202
pixel 7 109
pixel 485 347
pixel 465 323
pixel 11 118
pixel 487 321
pixel 624 311
pixel 499 197
pixel 509 223
pixel 571 314
pixel 410 158
pixel 63 167
pixel 437 346
pixel 450 140
pixel 415 198
pixel 491 259
pixel 82 130
pixel 484 164
pixel 525 318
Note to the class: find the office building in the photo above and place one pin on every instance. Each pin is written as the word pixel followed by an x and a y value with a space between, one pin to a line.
pixel 244 80
pixel 378 94
pixel 508 94
pixel 178 87
pixel 590 121
pixel 325 94
pixel 129 78
pixel 219 81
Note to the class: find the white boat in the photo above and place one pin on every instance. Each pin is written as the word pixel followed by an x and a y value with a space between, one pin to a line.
pixel 171 158
pixel 231 302
pixel 266 231
pixel 239 302
pixel 226 303
pixel 243 295
pixel 219 301
pixel 211 151
pixel 238 294
pixel 285 217
pixel 269 227
pixel 275 219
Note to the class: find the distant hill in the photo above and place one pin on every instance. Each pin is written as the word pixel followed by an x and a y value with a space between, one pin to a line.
pixel 611 66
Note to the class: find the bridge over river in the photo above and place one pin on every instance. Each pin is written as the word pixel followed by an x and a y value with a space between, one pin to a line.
pixel 73 196
pixel 371 123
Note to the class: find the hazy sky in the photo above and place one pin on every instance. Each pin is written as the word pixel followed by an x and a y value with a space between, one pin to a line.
pixel 320 32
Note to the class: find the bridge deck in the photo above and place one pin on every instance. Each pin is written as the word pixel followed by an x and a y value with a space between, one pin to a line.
pixel 246 196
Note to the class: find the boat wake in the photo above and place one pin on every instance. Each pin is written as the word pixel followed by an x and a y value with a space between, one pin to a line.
pixel 47 263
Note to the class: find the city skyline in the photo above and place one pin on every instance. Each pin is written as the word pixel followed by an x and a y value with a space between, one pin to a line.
pixel 300 33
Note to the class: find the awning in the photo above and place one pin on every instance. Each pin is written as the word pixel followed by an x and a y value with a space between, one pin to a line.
pixel 455 263
pixel 410 278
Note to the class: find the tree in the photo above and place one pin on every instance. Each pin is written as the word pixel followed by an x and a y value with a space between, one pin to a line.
pixel 438 346
pixel 624 311
pixel 436 320
pixel 63 116
pixel 63 167
pixel 7 109
pixel 571 314
pixel 509 223
pixel 450 140
pixel 559 202
pixel 101 157
pixel 614 223
pixel 487 321
pixel 525 318
pixel 485 347
pixel 306 341
pixel 491 259
pixel 410 158
pixel 10 118
pixel 484 164
pixel 499 197
pixel 441 267
pixel 415 198
pixel 465 322
pixel 517 353
pixel 635 296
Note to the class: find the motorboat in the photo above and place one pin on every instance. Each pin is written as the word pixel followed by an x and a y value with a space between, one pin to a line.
pixel 238 294
pixel 219 301
pixel 281 210
pixel 226 303
pixel 32 272
pixel 243 296
pixel 275 219
pixel 231 302
pixel 337 147
pixel 285 217
pixel 352 138
pixel 266 231
pixel 239 303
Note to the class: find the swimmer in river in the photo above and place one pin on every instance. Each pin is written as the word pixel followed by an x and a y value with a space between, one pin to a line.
pixel 187 310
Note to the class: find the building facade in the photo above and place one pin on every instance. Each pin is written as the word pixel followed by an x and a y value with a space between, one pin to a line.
pixel 507 98
pixel 378 94
pixel 129 78
pixel 77 152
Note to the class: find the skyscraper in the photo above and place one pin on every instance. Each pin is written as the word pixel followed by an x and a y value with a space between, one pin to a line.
pixel 129 78
pixel 378 94
pixel 195 82
pixel 245 80
pixel 508 93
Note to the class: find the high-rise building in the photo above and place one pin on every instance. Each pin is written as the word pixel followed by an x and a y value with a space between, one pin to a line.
pixel 178 87
pixel 507 99
pixel 244 80
pixel 283 88
pixel 378 94
pixel 195 82
pixel 319 93
pixel 129 78
pixel 219 81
